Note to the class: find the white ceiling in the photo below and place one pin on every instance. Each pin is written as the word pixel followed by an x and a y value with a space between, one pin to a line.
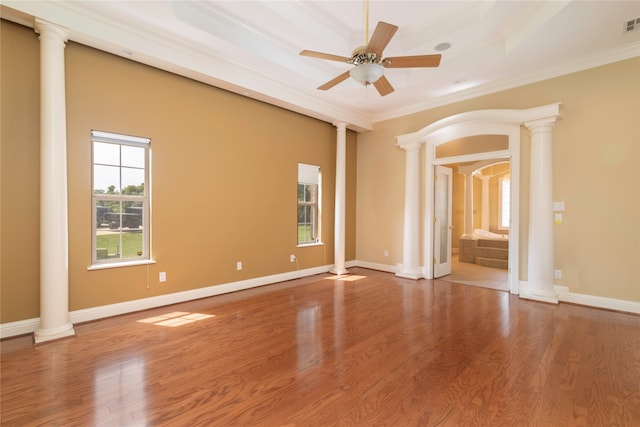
pixel 252 47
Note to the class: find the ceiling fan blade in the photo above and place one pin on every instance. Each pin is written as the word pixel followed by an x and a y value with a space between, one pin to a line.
pixel 321 55
pixel 331 83
pixel 412 61
pixel 383 86
pixel 381 37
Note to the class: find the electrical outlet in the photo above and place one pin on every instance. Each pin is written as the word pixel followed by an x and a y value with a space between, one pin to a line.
pixel 386 252
pixel 163 276
pixel 557 274
pixel 239 265
pixel 558 218
pixel 292 258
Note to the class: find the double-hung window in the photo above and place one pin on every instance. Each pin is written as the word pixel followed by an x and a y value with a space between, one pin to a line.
pixel 120 198
pixel 505 201
pixel 308 204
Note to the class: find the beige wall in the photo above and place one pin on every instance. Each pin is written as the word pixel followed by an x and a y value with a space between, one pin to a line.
pixel 224 174
pixel 596 158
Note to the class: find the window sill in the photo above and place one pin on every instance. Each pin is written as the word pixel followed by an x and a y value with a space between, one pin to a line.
pixel 306 245
pixel 120 264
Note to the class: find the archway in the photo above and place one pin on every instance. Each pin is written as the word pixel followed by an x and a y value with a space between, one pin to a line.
pixel 539 120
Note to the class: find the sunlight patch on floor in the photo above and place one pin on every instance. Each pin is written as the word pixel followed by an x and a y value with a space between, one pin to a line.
pixel 176 318
pixel 346 278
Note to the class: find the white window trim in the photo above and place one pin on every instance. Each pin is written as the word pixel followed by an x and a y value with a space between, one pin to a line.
pixel 135 141
pixel 312 174
pixel 500 209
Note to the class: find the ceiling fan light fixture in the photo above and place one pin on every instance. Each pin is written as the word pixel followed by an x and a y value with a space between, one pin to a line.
pixel 367 74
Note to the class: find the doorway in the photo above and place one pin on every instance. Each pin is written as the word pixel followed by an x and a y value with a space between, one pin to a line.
pixel 416 238
pixel 474 149
pixel 484 260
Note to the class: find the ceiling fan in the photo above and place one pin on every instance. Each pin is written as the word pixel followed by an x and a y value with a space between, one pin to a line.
pixel 369 63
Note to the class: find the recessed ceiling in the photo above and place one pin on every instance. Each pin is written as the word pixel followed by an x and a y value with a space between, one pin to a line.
pixel 252 47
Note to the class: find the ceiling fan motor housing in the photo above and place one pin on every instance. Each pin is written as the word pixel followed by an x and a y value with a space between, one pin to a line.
pixel 360 56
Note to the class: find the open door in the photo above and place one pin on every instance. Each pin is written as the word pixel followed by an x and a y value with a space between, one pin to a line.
pixel 442 222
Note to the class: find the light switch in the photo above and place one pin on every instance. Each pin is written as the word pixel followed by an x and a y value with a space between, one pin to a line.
pixel 558 206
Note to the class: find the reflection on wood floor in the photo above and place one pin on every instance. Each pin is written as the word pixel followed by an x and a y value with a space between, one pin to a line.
pixel 477 275
pixel 365 349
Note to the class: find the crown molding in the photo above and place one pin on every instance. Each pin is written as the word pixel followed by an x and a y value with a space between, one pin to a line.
pixel 625 52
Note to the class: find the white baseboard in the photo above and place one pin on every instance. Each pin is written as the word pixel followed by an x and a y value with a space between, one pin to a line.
pixel 375 266
pixel 28 326
pixel 21 327
pixel 564 295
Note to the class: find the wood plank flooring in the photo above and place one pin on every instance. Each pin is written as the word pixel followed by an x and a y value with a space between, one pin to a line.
pixel 368 349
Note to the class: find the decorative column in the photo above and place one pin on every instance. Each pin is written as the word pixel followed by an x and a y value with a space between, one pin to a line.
pixel 484 216
pixel 466 243
pixel 54 244
pixel 540 262
pixel 340 203
pixel 468 205
pixel 410 247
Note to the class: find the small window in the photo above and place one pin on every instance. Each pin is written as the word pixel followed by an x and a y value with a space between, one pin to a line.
pixel 120 198
pixel 308 204
pixel 505 202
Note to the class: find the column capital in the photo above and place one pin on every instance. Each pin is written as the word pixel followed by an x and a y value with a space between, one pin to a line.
pixel 46 29
pixel 543 125
pixel 410 146
pixel 340 124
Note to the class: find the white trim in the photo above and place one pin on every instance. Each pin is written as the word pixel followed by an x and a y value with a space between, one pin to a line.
pixel 120 264
pixel 28 326
pixel 564 295
pixel 20 327
pixel 581 64
pixel 94 313
pixel 376 266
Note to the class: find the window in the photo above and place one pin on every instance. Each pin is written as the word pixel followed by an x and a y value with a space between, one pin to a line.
pixel 120 198
pixel 308 204
pixel 505 202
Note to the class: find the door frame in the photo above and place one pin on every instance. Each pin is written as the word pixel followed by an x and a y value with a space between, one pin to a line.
pixel 512 153
pixel 438 265
pixel 472 123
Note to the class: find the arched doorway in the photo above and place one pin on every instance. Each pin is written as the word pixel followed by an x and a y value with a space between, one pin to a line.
pixel 483 122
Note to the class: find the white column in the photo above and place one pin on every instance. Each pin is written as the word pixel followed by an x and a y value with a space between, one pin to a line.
pixel 468 205
pixel 410 245
pixel 54 245
pixel 340 204
pixel 484 216
pixel 539 285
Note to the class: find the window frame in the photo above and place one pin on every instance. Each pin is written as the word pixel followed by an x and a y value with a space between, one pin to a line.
pixel 506 177
pixel 131 141
pixel 306 178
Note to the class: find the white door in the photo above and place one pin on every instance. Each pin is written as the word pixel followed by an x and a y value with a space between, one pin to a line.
pixel 442 222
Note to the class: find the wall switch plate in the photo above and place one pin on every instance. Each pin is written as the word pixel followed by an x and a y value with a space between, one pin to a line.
pixel 163 276
pixel 557 274
pixel 558 206
pixel 239 265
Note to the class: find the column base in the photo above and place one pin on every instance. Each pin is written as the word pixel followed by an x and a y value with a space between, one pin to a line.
pixel 43 335
pixel 530 292
pixel 409 274
pixel 339 271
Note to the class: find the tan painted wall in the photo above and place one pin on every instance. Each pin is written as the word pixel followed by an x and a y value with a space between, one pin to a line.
pixel 596 158
pixel 224 175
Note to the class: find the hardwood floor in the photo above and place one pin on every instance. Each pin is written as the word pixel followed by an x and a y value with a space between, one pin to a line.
pixel 368 349
pixel 477 275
